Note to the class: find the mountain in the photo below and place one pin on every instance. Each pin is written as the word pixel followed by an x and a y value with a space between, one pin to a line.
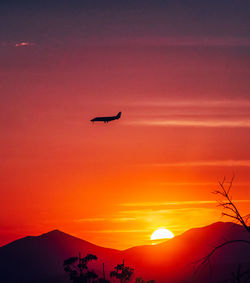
pixel 39 259
pixel 177 260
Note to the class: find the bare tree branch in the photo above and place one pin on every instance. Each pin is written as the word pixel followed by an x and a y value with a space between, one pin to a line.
pixel 230 210
pixel 206 258
pixel 228 205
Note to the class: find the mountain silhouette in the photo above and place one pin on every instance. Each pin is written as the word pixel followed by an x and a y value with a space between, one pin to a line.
pixel 40 258
pixel 175 260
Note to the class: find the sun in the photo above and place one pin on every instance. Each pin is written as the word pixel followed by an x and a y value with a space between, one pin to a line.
pixel 162 233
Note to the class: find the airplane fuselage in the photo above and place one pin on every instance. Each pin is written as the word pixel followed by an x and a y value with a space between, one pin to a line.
pixel 106 119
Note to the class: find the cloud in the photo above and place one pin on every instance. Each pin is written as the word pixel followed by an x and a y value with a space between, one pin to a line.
pixel 123 219
pixel 194 41
pixel 194 113
pixel 94 219
pixel 146 210
pixel 119 231
pixel 218 163
pixel 192 123
pixel 165 203
pixel 111 219
pixel 150 219
pixel 195 103
pixel 174 203
pixel 23 44
pixel 178 216
pixel 153 211
pixel 185 183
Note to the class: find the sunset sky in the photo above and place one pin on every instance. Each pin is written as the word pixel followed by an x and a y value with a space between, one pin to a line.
pixel 179 73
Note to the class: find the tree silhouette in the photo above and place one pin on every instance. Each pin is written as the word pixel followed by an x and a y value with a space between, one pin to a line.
pixel 140 280
pixel 122 272
pixel 102 279
pixel 230 210
pixel 77 267
pixel 228 207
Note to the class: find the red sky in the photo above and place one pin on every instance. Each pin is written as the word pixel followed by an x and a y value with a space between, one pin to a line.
pixel 180 76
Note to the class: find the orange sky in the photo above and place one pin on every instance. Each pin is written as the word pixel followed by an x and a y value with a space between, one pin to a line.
pixel 184 97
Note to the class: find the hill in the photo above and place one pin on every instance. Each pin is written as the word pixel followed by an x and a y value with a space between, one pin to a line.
pixel 176 260
pixel 40 258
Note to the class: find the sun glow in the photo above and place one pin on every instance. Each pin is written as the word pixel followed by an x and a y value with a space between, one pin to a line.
pixel 162 233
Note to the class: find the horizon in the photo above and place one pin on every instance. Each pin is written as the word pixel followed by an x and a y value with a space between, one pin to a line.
pixel 178 72
pixel 50 253
pixel 151 243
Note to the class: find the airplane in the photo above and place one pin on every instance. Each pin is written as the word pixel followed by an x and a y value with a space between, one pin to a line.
pixel 107 119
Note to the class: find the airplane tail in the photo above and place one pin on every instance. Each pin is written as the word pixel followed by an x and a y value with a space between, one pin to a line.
pixel 118 116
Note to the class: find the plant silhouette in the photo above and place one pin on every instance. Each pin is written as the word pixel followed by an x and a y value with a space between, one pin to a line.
pixel 77 267
pixel 102 279
pixel 140 280
pixel 122 272
pixel 230 209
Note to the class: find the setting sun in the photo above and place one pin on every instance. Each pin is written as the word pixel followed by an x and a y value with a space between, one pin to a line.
pixel 162 233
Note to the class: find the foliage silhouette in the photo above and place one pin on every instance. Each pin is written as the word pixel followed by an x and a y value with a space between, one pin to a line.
pixel 140 280
pixel 77 267
pixel 103 279
pixel 122 272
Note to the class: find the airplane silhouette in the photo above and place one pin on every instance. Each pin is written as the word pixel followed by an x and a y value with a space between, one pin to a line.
pixel 107 119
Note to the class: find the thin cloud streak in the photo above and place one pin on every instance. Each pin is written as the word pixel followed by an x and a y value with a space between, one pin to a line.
pixel 216 163
pixel 195 202
pixel 155 218
pixel 90 220
pixel 116 219
pixel 187 41
pixel 150 219
pixel 194 103
pixel 195 41
pixel 192 123
pixel 185 183
pixel 118 231
pixel 169 210
pixel 23 44
pixel 183 113
pixel 152 211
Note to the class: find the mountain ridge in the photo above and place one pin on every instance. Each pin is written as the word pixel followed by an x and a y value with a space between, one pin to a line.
pixel 41 257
